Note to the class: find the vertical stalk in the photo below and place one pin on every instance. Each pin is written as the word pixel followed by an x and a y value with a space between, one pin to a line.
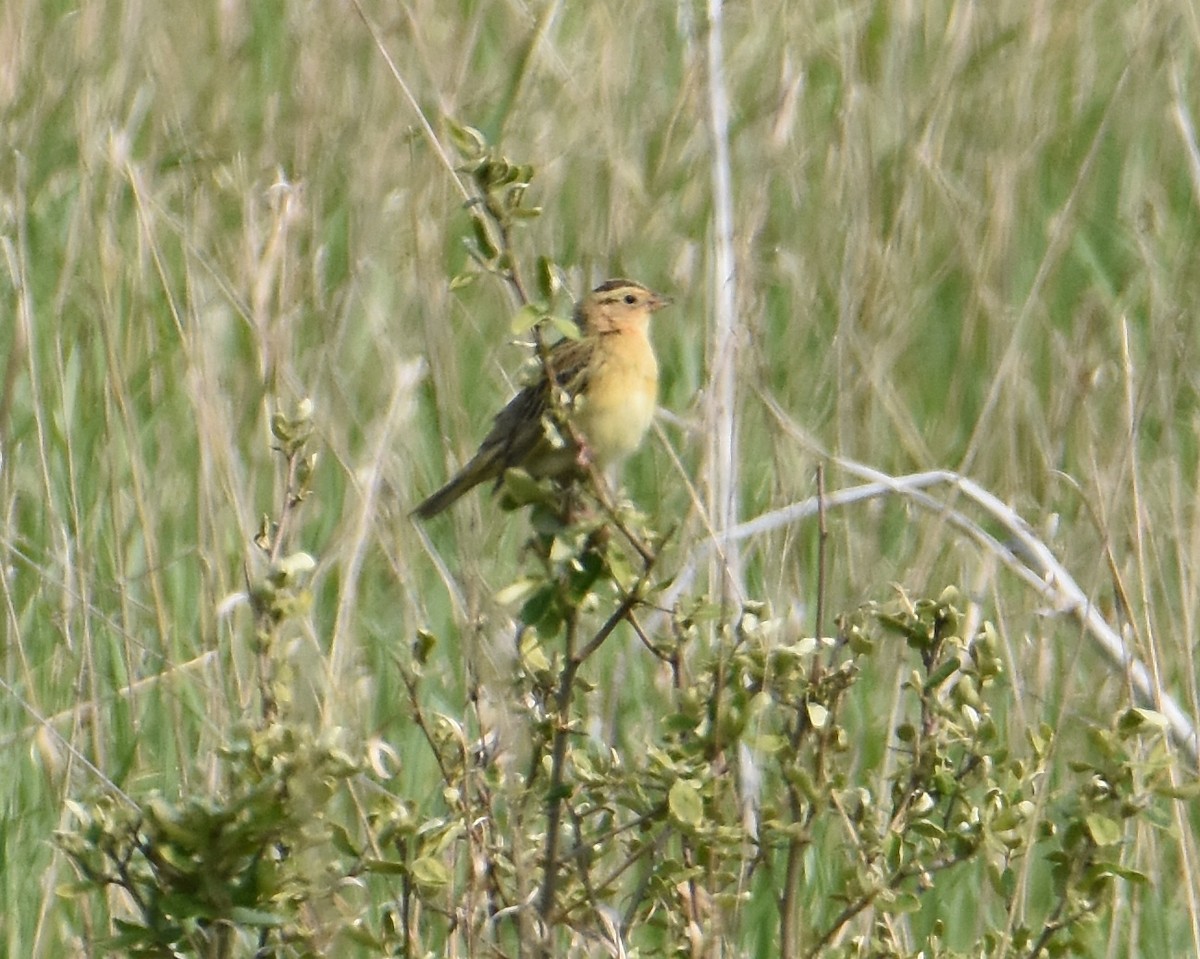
pixel 722 434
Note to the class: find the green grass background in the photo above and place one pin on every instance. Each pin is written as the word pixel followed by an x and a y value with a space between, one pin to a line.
pixel 948 214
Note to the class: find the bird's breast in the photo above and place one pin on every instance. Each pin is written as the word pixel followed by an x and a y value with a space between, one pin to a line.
pixel 621 396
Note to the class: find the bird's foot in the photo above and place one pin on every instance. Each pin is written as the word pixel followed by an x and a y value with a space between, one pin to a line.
pixel 584 458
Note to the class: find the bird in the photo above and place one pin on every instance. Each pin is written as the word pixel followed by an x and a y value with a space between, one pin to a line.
pixel 608 383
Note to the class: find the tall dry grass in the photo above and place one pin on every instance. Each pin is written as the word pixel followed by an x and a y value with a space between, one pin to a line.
pixel 947 218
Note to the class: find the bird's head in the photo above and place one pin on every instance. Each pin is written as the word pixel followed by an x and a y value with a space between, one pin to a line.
pixel 617 305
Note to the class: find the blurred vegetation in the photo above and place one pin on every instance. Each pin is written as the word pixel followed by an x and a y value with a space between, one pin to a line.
pixel 965 239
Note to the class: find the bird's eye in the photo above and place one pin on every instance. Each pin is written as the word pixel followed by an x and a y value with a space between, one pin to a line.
pixel 630 299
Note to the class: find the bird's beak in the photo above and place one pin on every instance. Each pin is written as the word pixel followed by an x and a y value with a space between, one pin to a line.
pixel 658 301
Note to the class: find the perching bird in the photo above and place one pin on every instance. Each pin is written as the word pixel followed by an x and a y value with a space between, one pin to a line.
pixel 609 383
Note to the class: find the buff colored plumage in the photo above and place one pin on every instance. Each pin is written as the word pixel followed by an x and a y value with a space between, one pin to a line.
pixel 609 379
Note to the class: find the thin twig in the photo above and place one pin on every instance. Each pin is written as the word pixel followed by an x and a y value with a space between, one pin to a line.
pixel 426 126
pixel 45 723
pixel 603 496
pixel 789 898
pixel 573 661
pixel 558 758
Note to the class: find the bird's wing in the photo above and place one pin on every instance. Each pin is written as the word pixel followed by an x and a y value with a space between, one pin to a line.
pixel 518 428
pixel 570 360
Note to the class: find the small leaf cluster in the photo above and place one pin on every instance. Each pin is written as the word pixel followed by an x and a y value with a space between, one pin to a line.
pixel 756 763
pixel 501 183
pixel 227 871
pixel 497 206
pixel 278 581
pixel 963 796
pixel 753 771
pixel 573 567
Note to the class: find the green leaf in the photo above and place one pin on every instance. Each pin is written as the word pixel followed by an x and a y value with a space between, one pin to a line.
pixel 901 902
pixel 547 278
pixel 255 917
pixel 533 655
pixel 1130 875
pixel 423 645
pixel 1040 740
pixel 430 873
pixel 896 624
pixel 589 569
pixel 942 673
pixel 526 318
pixel 517 591
pixel 620 570
pixel 292 568
pixel 467 140
pixel 132 938
pixel 927 828
pixel 686 803
pixel 482 237
pixel 1104 831
pixel 1138 719
pixel 1185 791
pixel 568 328
pixel 341 840
pixel 385 867
pixel 362 936
pixel 489 172
pixel 767 743
pixel 513 197
pixel 521 489
pixel 541 610
pixel 70 890
pixel 1004 881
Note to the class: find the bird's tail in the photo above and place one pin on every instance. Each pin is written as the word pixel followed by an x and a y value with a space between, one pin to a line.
pixel 467 479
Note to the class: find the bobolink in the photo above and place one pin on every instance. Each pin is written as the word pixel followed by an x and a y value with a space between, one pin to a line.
pixel 608 379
